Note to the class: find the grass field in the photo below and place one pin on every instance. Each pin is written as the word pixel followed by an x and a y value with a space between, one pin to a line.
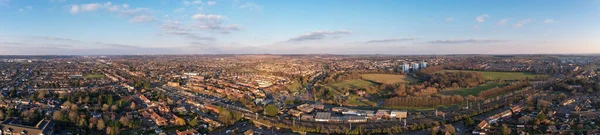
pixel 93 76
pixel 294 86
pixel 489 75
pixel 471 91
pixel 388 78
pixel 350 84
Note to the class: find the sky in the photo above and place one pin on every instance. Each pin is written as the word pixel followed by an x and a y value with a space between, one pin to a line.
pixel 406 27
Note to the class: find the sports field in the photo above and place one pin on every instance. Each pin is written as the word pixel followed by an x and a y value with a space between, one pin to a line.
pixel 471 91
pixel 388 78
pixel 489 75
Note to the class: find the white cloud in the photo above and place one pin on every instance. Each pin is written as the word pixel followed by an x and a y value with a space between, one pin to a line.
pixel 476 27
pixel 481 18
pixel 176 28
pixel 210 3
pixel 522 22
pixel 548 21
pixel 74 9
pixel 208 17
pixel 449 19
pixel 251 6
pixel 320 34
pixel 91 7
pixel 213 23
pixel 142 19
pixel 390 40
pixel 111 8
pixel 503 21
pixel 29 7
pixel 137 15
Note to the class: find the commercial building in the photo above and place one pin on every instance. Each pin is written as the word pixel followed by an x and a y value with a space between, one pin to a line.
pixel 398 114
pixel 13 126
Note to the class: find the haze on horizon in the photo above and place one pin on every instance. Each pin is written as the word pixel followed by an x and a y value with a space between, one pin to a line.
pixel 101 27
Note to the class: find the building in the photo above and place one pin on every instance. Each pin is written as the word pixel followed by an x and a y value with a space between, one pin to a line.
pixel 423 64
pixel 415 66
pixel 14 126
pixel 173 84
pixel 295 113
pixel 355 119
pixel 382 114
pixel 187 132
pixel 323 116
pixel 405 68
pixel 398 114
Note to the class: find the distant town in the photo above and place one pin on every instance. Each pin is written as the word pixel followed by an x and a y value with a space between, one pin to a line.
pixel 300 94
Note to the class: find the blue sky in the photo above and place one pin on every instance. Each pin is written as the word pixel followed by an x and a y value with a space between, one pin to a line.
pixel 95 27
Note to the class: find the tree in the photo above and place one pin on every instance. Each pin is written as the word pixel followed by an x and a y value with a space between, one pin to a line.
pixel 42 94
pixel 124 120
pixel 469 121
pixel 105 107
pixel 132 106
pixel 114 108
pixel 179 122
pixel 57 115
pixel 271 110
pixel 505 130
pixel 1 115
pixel 193 122
pixel 100 125
pixel 73 116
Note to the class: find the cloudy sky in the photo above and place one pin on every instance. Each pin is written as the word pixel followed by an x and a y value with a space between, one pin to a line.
pixel 94 27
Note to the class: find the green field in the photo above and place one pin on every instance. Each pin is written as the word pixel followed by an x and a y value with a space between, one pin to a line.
pixel 350 84
pixel 489 75
pixel 471 91
pixel 388 78
pixel 93 76
pixel 294 86
pixel 355 100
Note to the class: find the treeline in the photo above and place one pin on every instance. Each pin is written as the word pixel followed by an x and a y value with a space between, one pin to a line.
pixel 423 101
pixel 456 79
pixel 438 82
pixel 496 91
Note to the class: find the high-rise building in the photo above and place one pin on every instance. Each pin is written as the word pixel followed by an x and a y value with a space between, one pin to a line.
pixel 405 68
pixel 423 64
pixel 415 66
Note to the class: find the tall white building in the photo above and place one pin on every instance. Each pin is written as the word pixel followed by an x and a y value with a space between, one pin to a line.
pixel 405 68
pixel 423 64
pixel 415 66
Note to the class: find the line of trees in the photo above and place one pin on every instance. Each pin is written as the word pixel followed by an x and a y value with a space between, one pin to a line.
pixel 423 101
pixel 497 90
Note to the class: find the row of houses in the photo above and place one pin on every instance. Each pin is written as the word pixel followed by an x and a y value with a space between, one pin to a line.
pixel 483 126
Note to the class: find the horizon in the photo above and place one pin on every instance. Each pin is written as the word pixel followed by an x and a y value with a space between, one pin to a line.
pixel 335 27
